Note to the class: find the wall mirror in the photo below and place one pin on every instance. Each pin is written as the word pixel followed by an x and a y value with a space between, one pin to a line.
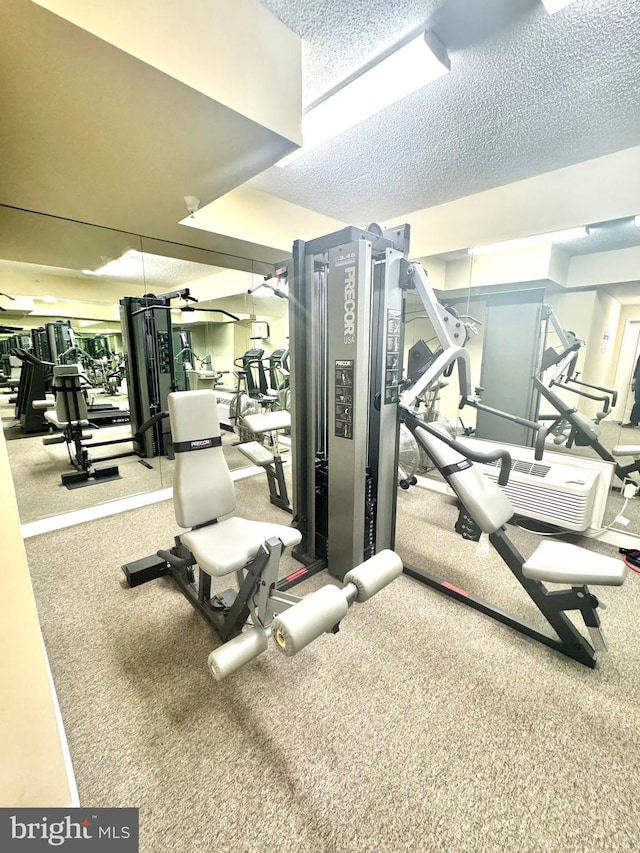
pixel 517 299
pixel 76 294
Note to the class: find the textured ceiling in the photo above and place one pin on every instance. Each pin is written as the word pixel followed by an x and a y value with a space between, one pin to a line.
pixel 527 93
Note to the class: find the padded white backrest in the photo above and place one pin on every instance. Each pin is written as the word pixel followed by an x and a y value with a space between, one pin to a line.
pixel 483 499
pixel 202 485
pixel 70 402
pixel 16 366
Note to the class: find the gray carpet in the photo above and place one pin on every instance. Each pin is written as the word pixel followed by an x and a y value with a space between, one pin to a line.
pixel 422 726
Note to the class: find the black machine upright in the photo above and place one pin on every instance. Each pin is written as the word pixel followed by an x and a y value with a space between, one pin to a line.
pixel 151 368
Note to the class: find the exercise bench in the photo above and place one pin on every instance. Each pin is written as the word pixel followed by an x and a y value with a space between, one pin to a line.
pixel 485 508
pixel 267 425
pixel 68 413
pixel 219 544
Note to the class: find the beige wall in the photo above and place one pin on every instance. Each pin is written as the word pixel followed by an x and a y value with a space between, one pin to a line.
pixel 234 51
pixel 32 755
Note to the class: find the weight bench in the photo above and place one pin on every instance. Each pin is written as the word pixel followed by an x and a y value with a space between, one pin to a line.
pixel 219 545
pixel 484 508
pixel 632 450
pixel 269 424
pixel 68 413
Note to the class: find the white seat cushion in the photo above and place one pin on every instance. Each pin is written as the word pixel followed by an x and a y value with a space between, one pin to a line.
pixel 256 452
pixel 267 421
pixel 559 562
pixel 52 417
pixel 229 545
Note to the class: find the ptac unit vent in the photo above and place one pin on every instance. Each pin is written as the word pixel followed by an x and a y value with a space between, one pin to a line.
pixel 557 490
pixel 535 469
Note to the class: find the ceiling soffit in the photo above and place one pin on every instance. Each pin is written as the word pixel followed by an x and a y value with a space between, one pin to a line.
pixel 92 134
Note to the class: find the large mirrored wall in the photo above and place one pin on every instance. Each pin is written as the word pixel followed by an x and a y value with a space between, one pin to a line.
pixel 521 303
pixel 73 286
pixel 81 297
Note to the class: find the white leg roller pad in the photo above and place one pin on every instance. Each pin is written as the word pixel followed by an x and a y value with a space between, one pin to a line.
pixel 374 574
pixel 316 614
pixel 235 653
pixel 560 562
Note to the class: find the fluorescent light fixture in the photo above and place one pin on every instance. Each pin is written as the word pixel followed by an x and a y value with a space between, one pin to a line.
pixel 535 240
pixel 553 6
pixel 397 74
pixel 262 293
pixel 49 299
pixel 637 221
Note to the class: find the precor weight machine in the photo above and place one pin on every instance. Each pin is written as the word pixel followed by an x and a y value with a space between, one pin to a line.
pixel 346 341
pixel 151 368
pixel 569 426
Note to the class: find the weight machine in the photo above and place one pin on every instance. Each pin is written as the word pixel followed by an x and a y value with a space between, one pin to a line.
pixel 150 367
pixel 348 399
pixel 569 426
pixel 217 547
pixel 346 342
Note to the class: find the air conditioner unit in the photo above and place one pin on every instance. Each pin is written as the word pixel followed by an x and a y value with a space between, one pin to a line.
pixel 563 490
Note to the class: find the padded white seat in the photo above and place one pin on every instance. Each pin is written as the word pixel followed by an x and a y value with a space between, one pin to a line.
pixel 229 545
pixel 256 452
pixel 626 450
pixel 203 490
pixel 268 421
pixel 560 562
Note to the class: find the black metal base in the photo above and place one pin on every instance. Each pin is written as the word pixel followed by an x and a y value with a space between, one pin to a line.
pixel 78 479
pixel 228 611
pixel 144 570
pixel 567 639
pixel 312 567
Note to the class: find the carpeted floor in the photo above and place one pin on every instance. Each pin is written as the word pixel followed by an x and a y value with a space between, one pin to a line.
pixel 422 726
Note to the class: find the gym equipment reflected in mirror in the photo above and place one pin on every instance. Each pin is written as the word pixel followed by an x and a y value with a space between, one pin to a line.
pixel 96 328
pixel 552 326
